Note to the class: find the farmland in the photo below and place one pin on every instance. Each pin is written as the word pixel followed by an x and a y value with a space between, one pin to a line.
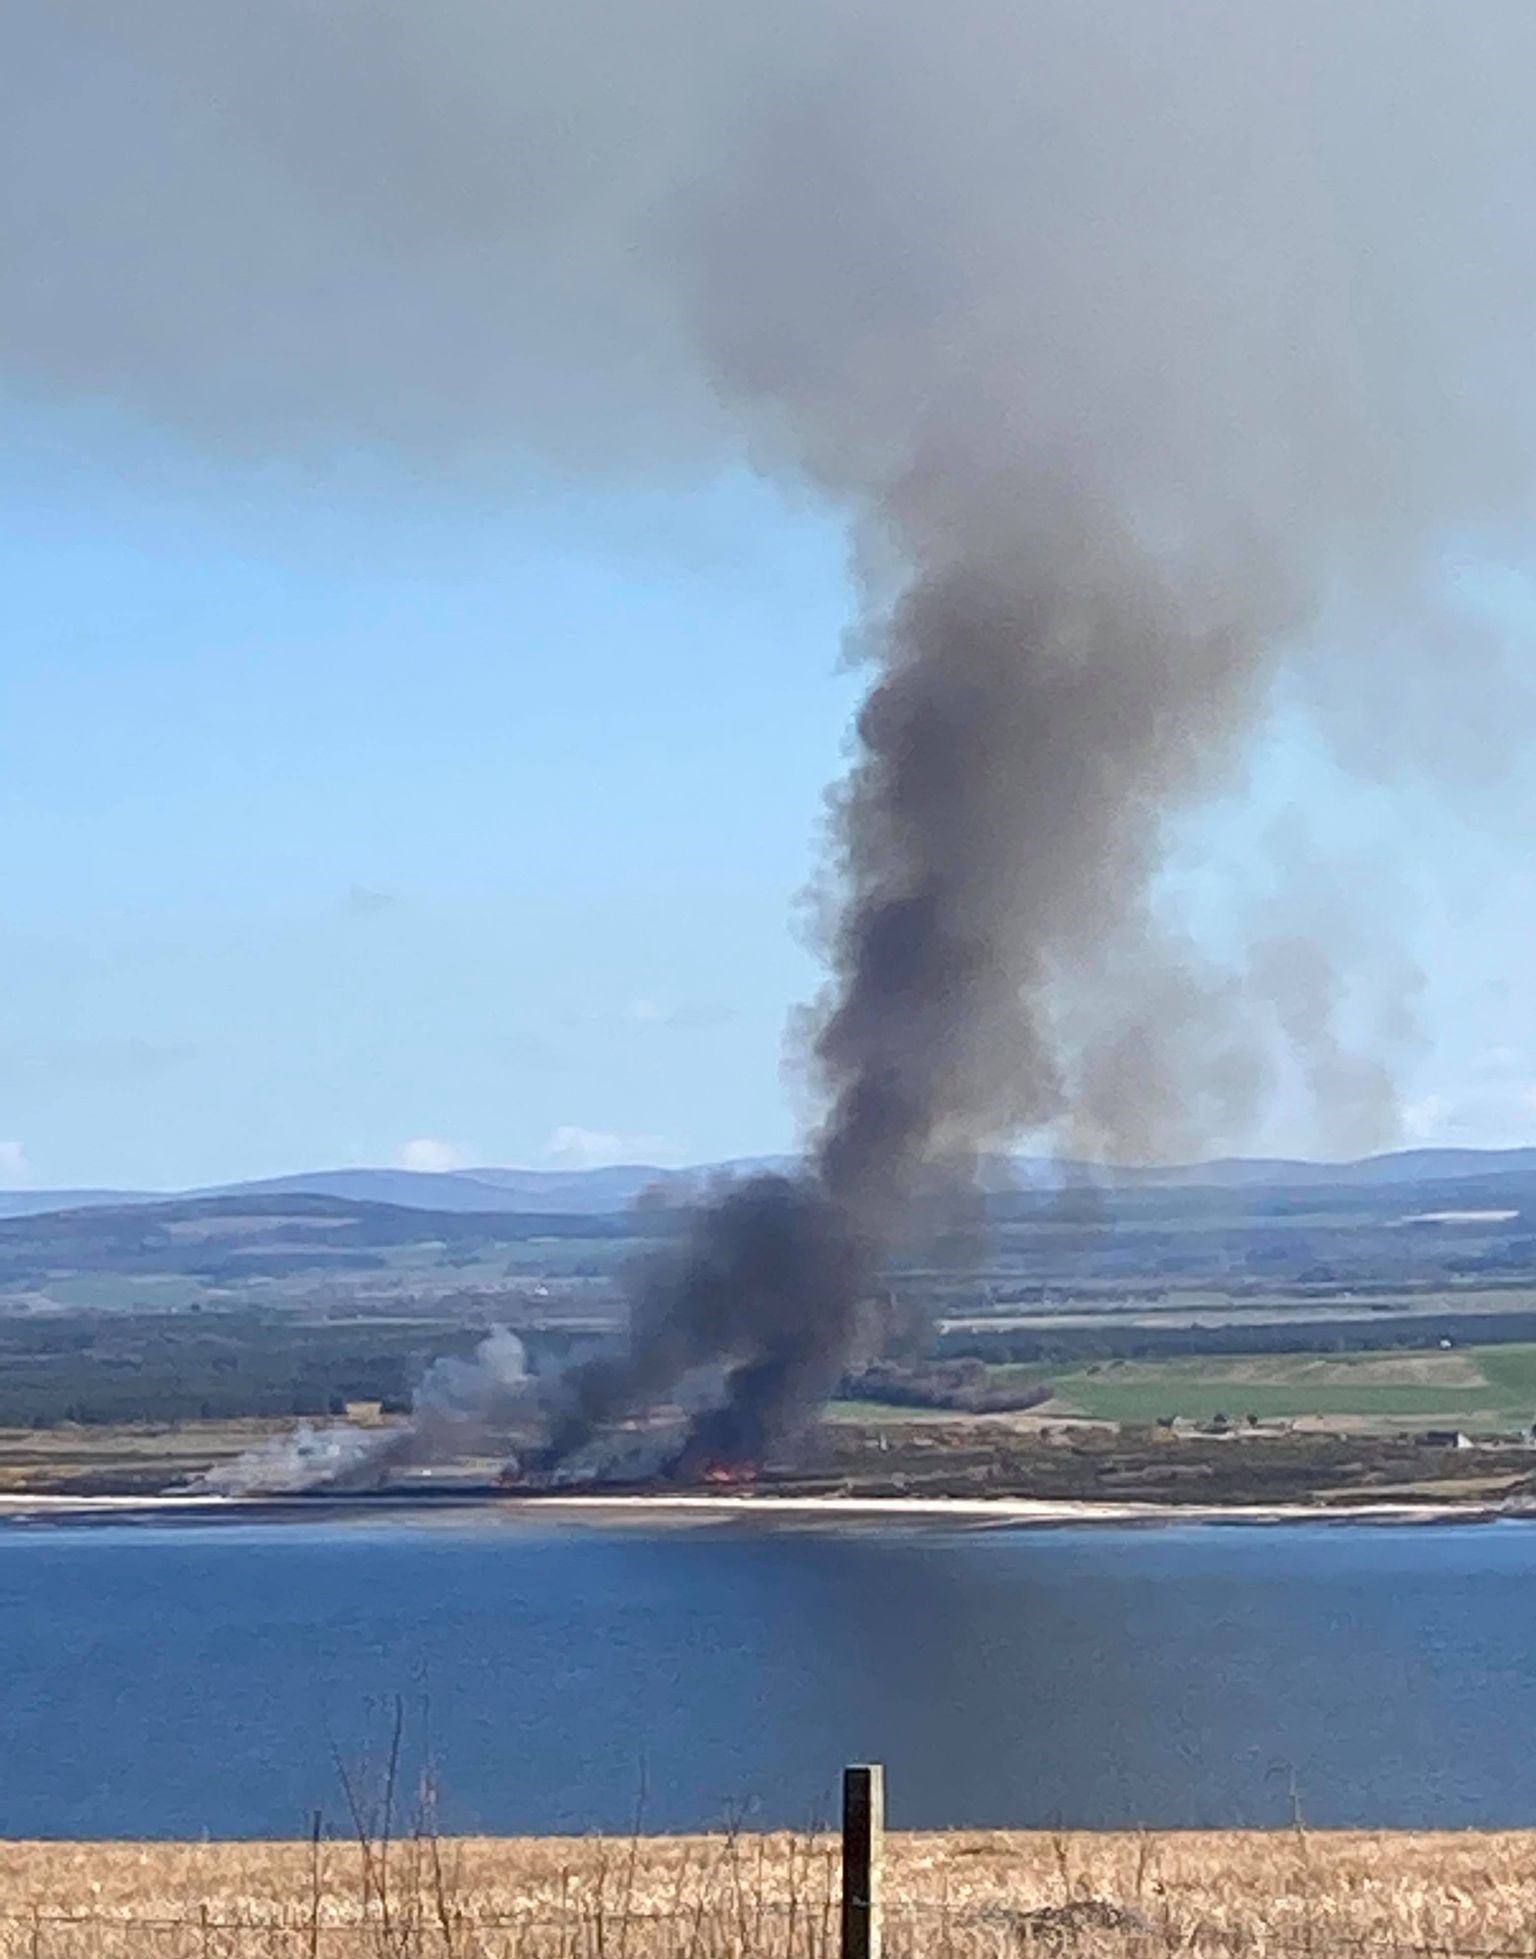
pixel 1489 1387
pixel 1348 1304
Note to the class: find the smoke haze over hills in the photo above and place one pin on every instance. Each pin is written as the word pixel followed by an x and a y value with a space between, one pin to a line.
pixel 1146 350
pixel 606 1192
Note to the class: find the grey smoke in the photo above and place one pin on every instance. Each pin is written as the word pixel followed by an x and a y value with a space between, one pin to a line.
pixel 763 1292
pixel 461 1399
pixel 459 1403
pixel 1158 353
pixel 337 1456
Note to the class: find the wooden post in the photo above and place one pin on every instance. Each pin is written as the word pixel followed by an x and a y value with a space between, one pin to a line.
pixel 863 1859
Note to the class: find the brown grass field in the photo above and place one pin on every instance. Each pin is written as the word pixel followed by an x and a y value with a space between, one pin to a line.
pixel 956 1895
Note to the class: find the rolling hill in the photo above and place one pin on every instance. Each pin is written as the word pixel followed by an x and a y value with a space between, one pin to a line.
pixel 616 1187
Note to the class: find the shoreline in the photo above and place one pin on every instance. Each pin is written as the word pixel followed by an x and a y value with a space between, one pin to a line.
pixel 996 1513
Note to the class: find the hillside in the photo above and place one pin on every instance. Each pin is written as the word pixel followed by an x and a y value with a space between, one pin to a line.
pixel 265 1250
pixel 1171 1253
pixel 617 1187
pixel 266 1301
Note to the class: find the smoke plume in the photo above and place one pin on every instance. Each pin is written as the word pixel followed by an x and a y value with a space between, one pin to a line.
pixel 457 1404
pixel 763 1292
pixel 1157 355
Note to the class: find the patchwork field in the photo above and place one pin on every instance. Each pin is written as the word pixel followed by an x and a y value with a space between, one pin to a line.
pixel 1474 1388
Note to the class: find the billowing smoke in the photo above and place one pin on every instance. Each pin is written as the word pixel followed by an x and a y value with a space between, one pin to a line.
pixel 338 1457
pixel 762 1293
pixel 459 1403
pixel 1159 353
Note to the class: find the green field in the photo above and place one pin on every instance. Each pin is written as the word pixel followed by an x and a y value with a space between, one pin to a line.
pixel 1472 1387
pixel 885 1411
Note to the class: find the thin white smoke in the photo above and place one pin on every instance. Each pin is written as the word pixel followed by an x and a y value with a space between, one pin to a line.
pixel 458 1404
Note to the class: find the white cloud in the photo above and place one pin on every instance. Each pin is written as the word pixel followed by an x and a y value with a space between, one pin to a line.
pixel 573 1148
pixel 649 1013
pixel 430 1153
pixel 1424 1119
pixel 687 1015
pixel 114 1059
pixel 1497 1114
pixel 364 901
pixel 15 1171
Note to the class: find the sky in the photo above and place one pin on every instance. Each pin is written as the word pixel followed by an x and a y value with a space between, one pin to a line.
pixel 349 820
pixel 417 717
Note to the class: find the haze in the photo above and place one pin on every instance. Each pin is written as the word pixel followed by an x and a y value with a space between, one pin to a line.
pixel 435 462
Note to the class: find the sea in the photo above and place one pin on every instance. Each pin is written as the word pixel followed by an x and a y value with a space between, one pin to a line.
pixel 179 1679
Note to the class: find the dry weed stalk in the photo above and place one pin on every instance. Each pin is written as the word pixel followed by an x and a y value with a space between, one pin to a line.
pixel 399 1889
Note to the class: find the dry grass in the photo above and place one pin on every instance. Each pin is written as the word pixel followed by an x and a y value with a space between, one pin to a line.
pixel 132 1456
pixel 959 1895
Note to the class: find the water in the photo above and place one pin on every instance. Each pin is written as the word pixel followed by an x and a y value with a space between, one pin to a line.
pixel 171 1680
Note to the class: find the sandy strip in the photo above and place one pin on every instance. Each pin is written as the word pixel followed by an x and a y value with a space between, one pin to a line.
pixel 998 1512
pixel 1015 1511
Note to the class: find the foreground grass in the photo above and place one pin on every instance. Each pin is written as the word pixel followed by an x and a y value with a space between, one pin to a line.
pixel 956 1895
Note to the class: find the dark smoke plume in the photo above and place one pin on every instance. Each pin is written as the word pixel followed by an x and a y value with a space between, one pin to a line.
pixel 1157 351
pixel 764 1289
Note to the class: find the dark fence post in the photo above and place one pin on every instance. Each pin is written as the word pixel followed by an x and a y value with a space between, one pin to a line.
pixel 863 1856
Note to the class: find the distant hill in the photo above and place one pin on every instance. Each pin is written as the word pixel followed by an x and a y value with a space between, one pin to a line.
pixel 1231 1236
pixel 1397 1167
pixel 570 1192
pixel 616 1187
pixel 274 1250
pixel 613 1187
pixel 36 1203
pixel 267 1218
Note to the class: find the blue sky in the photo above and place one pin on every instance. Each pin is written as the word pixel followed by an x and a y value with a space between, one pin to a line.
pixel 349 819
pixel 344 815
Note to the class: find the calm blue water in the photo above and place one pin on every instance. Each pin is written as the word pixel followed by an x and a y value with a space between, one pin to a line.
pixel 161 1680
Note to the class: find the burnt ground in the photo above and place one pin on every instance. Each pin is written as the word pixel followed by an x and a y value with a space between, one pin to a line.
pixel 966 1457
